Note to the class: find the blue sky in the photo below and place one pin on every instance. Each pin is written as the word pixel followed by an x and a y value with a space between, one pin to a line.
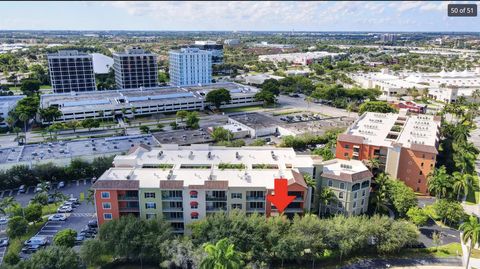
pixel 307 16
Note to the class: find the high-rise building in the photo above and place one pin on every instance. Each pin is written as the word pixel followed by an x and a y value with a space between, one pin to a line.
pixel 183 184
pixel 213 47
pixel 190 66
pixel 71 71
pixel 135 68
pixel 405 146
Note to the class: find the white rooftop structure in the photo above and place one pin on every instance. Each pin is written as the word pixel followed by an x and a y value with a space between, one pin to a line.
pixel 302 58
pixel 196 164
pixel 339 166
pixel 378 129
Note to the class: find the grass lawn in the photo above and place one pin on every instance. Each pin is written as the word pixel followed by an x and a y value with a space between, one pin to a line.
pixel 242 109
pixel 50 209
pixel 17 243
pixel 445 251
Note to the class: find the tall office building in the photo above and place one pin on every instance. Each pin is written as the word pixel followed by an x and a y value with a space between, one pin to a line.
pixel 135 68
pixel 71 71
pixel 213 47
pixel 190 66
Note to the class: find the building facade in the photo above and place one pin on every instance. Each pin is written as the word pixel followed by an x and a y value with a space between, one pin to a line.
pixel 71 71
pixel 405 146
pixel 184 184
pixel 190 66
pixel 7 104
pixel 213 47
pixel 350 182
pixel 135 68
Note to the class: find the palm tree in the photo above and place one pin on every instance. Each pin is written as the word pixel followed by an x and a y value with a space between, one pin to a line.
pixel 463 183
pixel 476 94
pixel 309 100
pixel 464 156
pixel 379 198
pixel 6 203
pixel 439 182
pixel 58 196
pixel 471 232
pixel 24 117
pixel 326 195
pixel 222 255
pixel 373 164
pixel 90 197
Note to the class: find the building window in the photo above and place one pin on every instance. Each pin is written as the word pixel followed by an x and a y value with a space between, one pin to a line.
pixel 345 154
pixel 236 195
pixel 193 205
pixel 418 189
pixel 363 201
pixel 150 205
pixel 340 204
pixel 347 146
pixel 105 195
pixel 106 205
pixel 420 173
pixel 421 164
pixel 355 195
pixel 193 194
pixel 419 181
pixel 342 185
pixel 423 156
pixel 354 204
pixel 149 195
pixel 236 206
pixel 151 216
pixel 330 183
pixel 107 216
pixel 363 193
pixel 194 215
pixel 340 195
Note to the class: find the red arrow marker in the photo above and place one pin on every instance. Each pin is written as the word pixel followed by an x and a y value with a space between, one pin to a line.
pixel 280 199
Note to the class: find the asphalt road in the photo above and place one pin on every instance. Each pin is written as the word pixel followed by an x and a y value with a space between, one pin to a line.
pixel 388 263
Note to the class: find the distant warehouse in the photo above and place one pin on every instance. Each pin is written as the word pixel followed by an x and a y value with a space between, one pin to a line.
pixel 127 103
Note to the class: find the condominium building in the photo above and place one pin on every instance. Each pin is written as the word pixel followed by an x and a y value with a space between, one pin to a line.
pixel 405 146
pixel 350 182
pixel 184 184
pixel 190 66
pixel 71 71
pixel 213 47
pixel 135 68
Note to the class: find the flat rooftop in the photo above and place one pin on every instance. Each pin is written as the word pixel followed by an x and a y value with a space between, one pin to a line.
pixel 345 170
pixel 383 129
pixel 6 102
pixel 198 164
pixel 255 120
pixel 125 98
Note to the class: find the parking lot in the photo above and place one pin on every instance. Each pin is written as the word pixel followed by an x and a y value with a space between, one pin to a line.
pixel 71 149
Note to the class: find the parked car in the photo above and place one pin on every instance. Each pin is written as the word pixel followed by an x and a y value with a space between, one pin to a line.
pixel 37 240
pixel 51 200
pixel 58 217
pixel 79 239
pixel 31 248
pixel 4 242
pixel 22 189
pixel 70 204
pixel 93 223
pixel 3 220
pixel 61 184
pixel 64 209
pixel 74 201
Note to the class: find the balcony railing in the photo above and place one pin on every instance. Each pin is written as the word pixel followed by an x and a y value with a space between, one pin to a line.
pixel 173 218
pixel 127 198
pixel 216 198
pixel 255 198
pixel 173 198
pixel 172 209
pixel 217 208
pixel 129 209
pixel 293 210
pixel 252 209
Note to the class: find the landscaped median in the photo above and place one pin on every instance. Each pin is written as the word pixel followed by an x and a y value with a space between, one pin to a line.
pixel 16 244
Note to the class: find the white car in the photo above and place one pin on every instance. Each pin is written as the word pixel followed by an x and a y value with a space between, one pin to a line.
pixel 3 220
pixel 64 209
pixel 58 217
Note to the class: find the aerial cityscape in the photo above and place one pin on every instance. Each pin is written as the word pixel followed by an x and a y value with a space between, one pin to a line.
pixel 238 134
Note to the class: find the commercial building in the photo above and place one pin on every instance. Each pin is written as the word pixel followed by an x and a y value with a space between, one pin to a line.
pixel 71 71
pixel 130 102
pixel 388 38
pixel 300 58
pixel 135 68
pixel 190 66
pixel 405 146
pixel 231 42
pixel 7 104
pixel 213 47
pixel 350 182
pixel 185 184
pixel 256 124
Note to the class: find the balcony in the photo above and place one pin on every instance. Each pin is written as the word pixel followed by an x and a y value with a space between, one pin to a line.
pixel 216 208
pixel 216 198
pixel 127 198
pixel 172 198
pixel 298 199
pixel 172 209
pixel 255 198
pixel 293 210
pixel 170 218
pixel 129 209
pixel 252 209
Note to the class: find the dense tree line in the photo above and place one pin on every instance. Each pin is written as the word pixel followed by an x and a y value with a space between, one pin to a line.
pixel 77 169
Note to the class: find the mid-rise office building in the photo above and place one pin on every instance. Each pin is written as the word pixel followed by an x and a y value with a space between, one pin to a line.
pixel 190 66
pixel 71 71
pixel 135 68
pixel 213 47
pixel 405 146
pixel 185 184
pixel 350 182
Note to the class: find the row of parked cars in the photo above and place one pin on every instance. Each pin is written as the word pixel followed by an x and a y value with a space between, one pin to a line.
pixel 68 205
pixel 23 188
pixel 300 118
